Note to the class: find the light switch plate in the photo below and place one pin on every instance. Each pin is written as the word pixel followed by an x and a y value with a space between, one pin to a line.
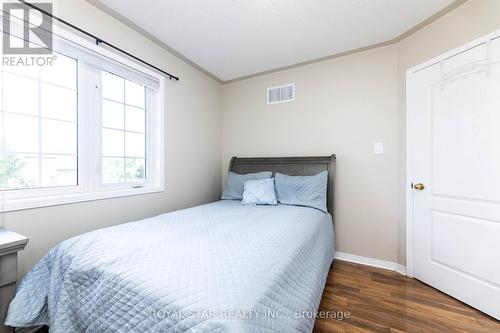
pixel 378 148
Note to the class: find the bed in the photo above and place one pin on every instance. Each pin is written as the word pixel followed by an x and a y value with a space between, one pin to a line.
pixel 219 267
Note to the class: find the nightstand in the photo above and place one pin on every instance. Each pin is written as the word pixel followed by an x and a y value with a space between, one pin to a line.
pixel 10 244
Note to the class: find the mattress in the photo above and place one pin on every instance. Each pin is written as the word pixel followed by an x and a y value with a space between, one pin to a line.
pixel 220 267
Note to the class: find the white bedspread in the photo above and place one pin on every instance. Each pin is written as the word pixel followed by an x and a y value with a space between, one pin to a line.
pixel 221 267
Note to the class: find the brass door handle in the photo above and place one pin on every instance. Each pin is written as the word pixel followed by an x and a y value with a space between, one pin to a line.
pixel 419 187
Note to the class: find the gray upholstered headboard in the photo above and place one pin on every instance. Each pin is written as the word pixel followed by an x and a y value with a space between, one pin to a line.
pixel 293 166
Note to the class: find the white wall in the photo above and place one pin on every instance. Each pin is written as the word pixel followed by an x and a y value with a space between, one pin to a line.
pixel 342 106
pixel 193 153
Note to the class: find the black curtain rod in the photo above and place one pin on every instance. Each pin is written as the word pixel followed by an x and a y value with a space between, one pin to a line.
pixel 98 40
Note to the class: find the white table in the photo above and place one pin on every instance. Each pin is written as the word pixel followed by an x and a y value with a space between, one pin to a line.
pixel 10 244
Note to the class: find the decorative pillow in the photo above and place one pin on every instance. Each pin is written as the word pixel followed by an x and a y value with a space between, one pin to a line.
pixel 259 192
pixel 308 191
pixel 233 190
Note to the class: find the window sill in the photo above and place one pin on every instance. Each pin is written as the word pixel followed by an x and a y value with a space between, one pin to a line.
pixel 56 200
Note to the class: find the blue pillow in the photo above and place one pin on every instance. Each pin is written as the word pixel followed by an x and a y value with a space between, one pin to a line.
pixel 308 191
pixel 259 192
pixel 233 190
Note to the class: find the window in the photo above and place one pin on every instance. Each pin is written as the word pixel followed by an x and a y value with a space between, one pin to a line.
pixel 123 130
pixel 88 127
pixel 39 109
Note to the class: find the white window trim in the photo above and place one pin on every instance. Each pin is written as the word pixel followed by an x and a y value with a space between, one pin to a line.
pixel 88 169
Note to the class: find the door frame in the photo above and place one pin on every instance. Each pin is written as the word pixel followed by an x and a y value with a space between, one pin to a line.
pixel 411 134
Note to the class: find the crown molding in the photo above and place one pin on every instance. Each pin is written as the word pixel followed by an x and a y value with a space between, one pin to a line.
pixel 99 5
pixel 411 31
pixel 455 4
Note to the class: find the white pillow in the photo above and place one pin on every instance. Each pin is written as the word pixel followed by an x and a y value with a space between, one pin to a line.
pixel 233 190
pixel 259 192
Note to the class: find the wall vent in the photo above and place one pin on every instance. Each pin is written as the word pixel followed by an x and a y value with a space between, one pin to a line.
pixel 281 94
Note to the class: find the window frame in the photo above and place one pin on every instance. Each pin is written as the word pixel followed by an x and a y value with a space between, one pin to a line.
pixel 89 186
pixel 149 134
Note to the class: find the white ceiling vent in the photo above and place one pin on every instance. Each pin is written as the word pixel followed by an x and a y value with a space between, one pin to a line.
pixel 281 94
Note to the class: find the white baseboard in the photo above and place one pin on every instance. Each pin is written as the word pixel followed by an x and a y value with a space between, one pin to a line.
pixel 371 262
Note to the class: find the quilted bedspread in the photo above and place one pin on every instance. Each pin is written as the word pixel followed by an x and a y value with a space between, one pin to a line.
pixel 220 267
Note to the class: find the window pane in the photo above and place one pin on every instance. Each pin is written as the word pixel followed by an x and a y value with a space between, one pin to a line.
pixel 112 170
pixel 30 98
pixel 21 133
pixel 124 130
pixel 112 142
pixel 136 121
pixel 18 171
pixel 28 71
pixel 135 169
pixel 58 103
pixel 58 137
pixel 20 94
pixel 112 87
pixel 14 41
pixel 135 94
pixel 58 170
pixel 112 114
pixel 63 71
pixel 134 145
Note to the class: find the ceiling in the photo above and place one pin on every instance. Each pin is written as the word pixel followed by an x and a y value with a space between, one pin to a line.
pixel 236 38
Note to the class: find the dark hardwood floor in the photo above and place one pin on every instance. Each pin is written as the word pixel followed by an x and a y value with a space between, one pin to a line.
pixel 379 300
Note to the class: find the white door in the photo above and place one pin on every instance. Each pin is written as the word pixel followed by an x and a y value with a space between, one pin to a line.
pixel 454 164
